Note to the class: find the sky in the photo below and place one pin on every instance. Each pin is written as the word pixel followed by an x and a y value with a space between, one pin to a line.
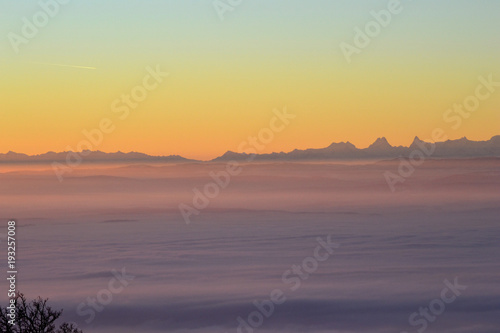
pixel 227 76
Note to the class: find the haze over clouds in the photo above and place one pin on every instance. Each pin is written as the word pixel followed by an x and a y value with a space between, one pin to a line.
pixel 396 249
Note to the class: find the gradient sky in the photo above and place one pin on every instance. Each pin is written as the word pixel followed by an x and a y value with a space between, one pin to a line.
pixel 227 76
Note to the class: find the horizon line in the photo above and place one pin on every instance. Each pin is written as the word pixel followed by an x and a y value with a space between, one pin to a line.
pixel 242 153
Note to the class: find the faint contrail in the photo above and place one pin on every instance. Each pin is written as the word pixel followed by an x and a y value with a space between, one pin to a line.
pixel 61 65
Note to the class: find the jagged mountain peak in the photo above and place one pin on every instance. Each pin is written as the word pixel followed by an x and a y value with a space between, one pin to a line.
pixel 416 141
pixel 380 143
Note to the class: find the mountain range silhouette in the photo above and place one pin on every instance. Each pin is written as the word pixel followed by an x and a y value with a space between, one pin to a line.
pixel 380 149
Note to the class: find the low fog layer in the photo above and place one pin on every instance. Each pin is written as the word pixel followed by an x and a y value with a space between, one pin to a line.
pixel 396 248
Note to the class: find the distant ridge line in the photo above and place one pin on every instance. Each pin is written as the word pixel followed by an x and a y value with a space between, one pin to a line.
pixel 380 149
